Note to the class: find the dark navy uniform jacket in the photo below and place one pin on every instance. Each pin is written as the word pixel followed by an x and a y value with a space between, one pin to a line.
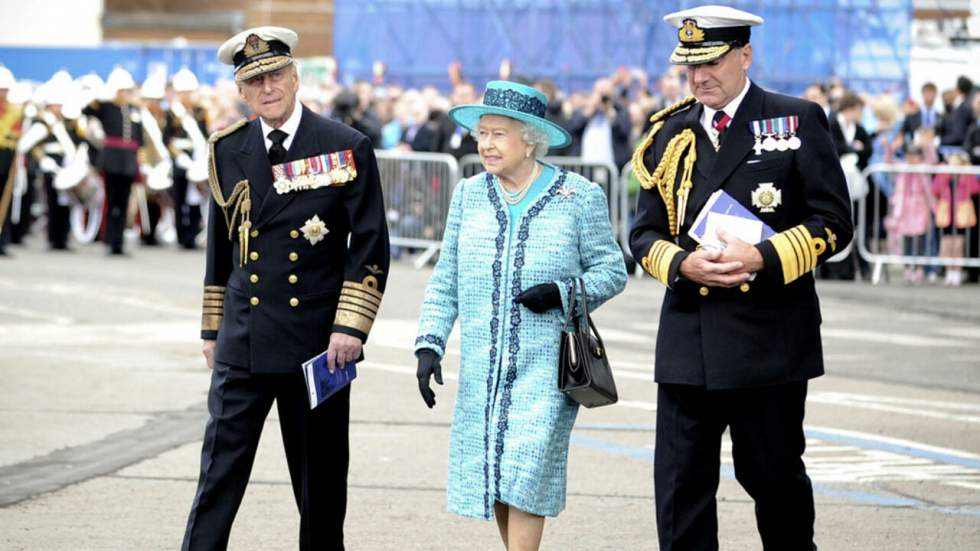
pixel 768 331
pixel 277 307
pixel 123 136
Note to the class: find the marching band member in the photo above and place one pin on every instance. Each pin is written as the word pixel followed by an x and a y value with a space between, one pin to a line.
pixel 11 117
pixel 186 137
pixel 121 122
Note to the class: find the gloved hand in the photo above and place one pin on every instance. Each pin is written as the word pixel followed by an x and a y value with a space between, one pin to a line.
pixel 429 364
pixel 540 298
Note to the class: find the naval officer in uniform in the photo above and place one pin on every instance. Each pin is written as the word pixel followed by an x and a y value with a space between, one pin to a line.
pixel 739 333
pixel 297 259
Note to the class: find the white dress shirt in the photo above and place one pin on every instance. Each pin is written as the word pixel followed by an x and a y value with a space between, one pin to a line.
pixel 289 127
pixel 708 115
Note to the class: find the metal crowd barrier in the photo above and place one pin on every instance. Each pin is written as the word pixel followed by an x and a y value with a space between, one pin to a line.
pixel 881 247
pixel 418 188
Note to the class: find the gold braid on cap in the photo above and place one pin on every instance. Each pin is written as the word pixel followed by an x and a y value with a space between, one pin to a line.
pixel 665 174
pixel 240 200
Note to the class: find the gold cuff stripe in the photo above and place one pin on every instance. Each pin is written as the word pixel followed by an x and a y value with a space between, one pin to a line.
pixel 369 286
pixel 210 322
pixel 797 252
pixel 355 308
pixel 804 247
pixel 353 320
pixel 359 303
pixel 658 260
pixel 373 299
pixel 214 288
pixel 213 302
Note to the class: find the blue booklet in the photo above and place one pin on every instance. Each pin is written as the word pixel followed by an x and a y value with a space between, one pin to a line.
pixel 322 384
pixel 722 211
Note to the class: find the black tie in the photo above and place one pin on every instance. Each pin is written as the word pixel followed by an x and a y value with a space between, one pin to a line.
pixel 277 153
pixel 720 122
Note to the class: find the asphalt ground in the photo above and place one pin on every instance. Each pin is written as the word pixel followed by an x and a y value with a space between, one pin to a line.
pixel 102 390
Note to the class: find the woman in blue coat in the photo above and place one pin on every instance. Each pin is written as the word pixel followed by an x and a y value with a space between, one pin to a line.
pixel 516 237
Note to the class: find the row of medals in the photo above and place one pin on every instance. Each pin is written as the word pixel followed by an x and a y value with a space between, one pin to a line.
pixel 777 142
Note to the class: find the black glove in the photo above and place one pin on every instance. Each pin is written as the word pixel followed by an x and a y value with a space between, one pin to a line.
pixel 540 298
pixel 429 364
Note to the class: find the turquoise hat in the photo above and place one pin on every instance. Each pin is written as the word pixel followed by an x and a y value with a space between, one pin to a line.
pixel 517 101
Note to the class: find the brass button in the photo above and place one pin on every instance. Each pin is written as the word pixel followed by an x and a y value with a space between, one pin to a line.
pixel 255 301
pixel 294 302
pixel 294 234
pixel 293 257
pixel 254 233
pixel 704 291
pixel 293 279
pixel 253 255
pixel 254 278
pixel 744 287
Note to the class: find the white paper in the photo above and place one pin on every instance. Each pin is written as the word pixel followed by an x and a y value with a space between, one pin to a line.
pixel 747 230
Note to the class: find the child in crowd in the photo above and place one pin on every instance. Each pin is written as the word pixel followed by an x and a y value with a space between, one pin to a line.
pixel 955 213
pixel 910 213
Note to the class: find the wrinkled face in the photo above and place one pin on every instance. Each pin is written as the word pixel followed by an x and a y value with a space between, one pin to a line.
pixel 271 95
pixel 718 82
pixel 500 141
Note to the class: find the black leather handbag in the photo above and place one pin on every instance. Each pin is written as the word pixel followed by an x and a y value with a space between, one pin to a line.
pixel 584 374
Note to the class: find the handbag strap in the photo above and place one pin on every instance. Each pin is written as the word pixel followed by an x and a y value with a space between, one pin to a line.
pixel 579 289
pixel 571 306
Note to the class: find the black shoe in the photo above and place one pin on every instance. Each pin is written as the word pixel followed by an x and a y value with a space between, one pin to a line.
pixel 114 251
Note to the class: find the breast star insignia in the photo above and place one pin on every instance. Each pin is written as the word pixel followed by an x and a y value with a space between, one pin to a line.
pixel 314 230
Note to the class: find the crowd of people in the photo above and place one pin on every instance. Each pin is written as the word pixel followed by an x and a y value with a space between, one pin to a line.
pixel 924 215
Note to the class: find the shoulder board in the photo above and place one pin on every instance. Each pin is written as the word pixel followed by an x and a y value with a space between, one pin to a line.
pixel 678 107
pixel 227 131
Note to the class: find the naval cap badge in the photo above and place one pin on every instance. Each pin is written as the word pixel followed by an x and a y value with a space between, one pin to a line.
pixel 314 230
pixel 767 197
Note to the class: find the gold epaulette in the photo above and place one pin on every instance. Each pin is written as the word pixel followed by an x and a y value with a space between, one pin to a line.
pixel 227 131
pixel 240 200
pixel 665 173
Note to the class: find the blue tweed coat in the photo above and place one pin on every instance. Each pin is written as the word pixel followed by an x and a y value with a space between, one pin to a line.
pixel 510 432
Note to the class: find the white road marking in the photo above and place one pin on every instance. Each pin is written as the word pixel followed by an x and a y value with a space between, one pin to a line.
pixel 898 339
pixel 895 405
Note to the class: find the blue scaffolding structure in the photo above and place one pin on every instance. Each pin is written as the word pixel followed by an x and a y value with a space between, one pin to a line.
pixel 863 42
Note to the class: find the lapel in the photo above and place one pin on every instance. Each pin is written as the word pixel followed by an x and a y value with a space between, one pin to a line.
pixel 253 159
pixel 736 145
pixel 706 151
pixel 305 144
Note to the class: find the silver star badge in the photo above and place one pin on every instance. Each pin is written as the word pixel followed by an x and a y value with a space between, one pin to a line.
pixel 314 230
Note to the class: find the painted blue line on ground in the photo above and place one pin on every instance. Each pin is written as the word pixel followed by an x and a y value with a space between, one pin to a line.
pixel 728 472
pixel 911 451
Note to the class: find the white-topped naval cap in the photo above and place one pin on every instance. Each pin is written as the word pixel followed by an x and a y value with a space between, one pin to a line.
pixel 707 33
pixel 714 17
pixel 258 50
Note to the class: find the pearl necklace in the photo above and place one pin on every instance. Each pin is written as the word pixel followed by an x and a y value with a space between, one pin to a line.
pixel 513 198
